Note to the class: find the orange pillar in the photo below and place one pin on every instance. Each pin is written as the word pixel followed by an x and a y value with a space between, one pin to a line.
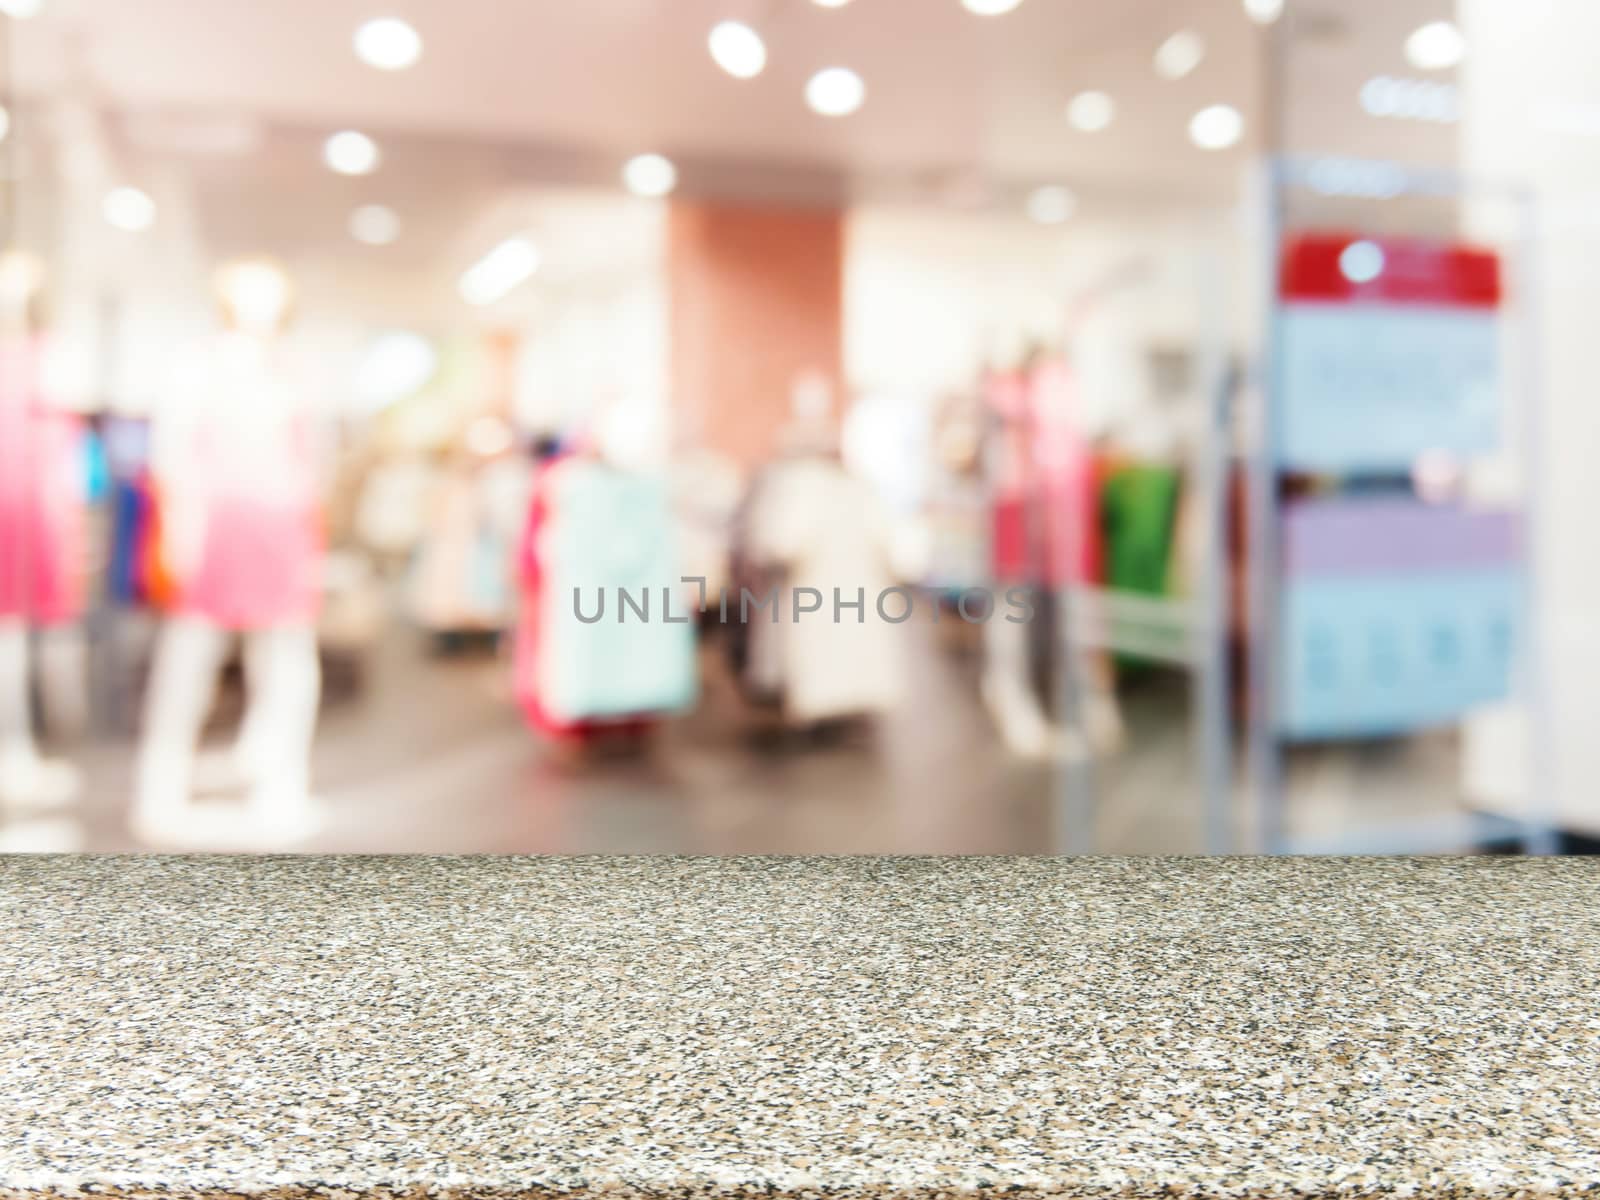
pixel 755 298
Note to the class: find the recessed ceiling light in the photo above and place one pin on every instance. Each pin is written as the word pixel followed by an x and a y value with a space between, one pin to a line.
pixel 830 3
pixel 21 9
pixel 351 153
pixel 129 209
pixel 375 224
pixel 1180 54
pixel 1216 127
pixel 737 49
pixel 1091 111
pixel 989 8
pixel 1361 262
pixel 649 175
pixel 494 275
pixel 1051 205
pixel 1436 46
pixel 835 92
pixel 5 122
pixel 388 43
pixel 1263 12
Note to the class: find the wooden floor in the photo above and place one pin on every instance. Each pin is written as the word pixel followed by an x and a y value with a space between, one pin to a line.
pixel 430 756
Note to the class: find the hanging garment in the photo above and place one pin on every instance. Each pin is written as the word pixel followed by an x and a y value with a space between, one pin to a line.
pixel 827 531
pixel 525 645
pixel 603 533
pixel 443 577
pixel 162 585
pixel 754 648
pixel 957 513
pixel 43 527
pixel 129 523
pixel 462 578
pixel 1139 505
pixel 391 511
pixel 131 505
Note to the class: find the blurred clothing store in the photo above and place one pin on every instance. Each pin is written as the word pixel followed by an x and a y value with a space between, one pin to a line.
pixel 798 426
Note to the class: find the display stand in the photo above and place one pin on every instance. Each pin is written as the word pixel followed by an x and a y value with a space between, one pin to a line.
pixel 1278 447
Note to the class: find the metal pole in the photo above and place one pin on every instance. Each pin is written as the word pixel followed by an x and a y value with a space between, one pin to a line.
pixel 1265 752
pixel 1075 796
pixel 1212 626
pixel 1542 779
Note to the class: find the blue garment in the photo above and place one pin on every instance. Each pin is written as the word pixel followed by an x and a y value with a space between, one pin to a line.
pixel 609 545
pixel 129 519
pixel 96 468
pixel 125 451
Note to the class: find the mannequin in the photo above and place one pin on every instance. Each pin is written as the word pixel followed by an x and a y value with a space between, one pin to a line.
pixel 1045 538
pixel 42 498
pixel 237 480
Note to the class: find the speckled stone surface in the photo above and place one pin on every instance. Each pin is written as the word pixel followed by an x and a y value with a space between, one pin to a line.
pixel 755 1027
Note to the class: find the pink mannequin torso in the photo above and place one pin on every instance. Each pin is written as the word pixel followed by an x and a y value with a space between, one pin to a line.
pixel 42 494
pixel 260 551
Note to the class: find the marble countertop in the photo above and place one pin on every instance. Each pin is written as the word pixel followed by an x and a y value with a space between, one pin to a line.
pixel 657 1027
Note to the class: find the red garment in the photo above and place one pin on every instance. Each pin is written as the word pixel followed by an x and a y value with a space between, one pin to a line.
pixel 525 644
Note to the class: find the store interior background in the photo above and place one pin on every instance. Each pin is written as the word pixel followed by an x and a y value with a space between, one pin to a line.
pixel 482 261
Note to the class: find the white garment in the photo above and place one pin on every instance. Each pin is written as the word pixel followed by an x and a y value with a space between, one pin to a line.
pixel 828 531
pixel 392 512
pixel 462 577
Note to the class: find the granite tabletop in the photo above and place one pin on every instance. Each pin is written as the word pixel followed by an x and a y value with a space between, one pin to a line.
pixel 659 1027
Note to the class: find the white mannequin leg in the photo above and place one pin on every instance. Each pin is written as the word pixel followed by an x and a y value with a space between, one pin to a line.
pixel 261 728
pixel 284 680
pixel 183 679
pixel 1102 712
pixel 16 727
pixel 64 679
pixel 1008 692
pixel 26 780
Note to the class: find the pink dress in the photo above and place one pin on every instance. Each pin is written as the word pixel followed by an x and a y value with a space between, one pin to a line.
pixel 1046 528
pixel 1067 482
pixel 260 557
pixel 42 496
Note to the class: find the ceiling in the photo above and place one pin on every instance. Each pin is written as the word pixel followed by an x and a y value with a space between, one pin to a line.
pixel 509 97
pixel 947 90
